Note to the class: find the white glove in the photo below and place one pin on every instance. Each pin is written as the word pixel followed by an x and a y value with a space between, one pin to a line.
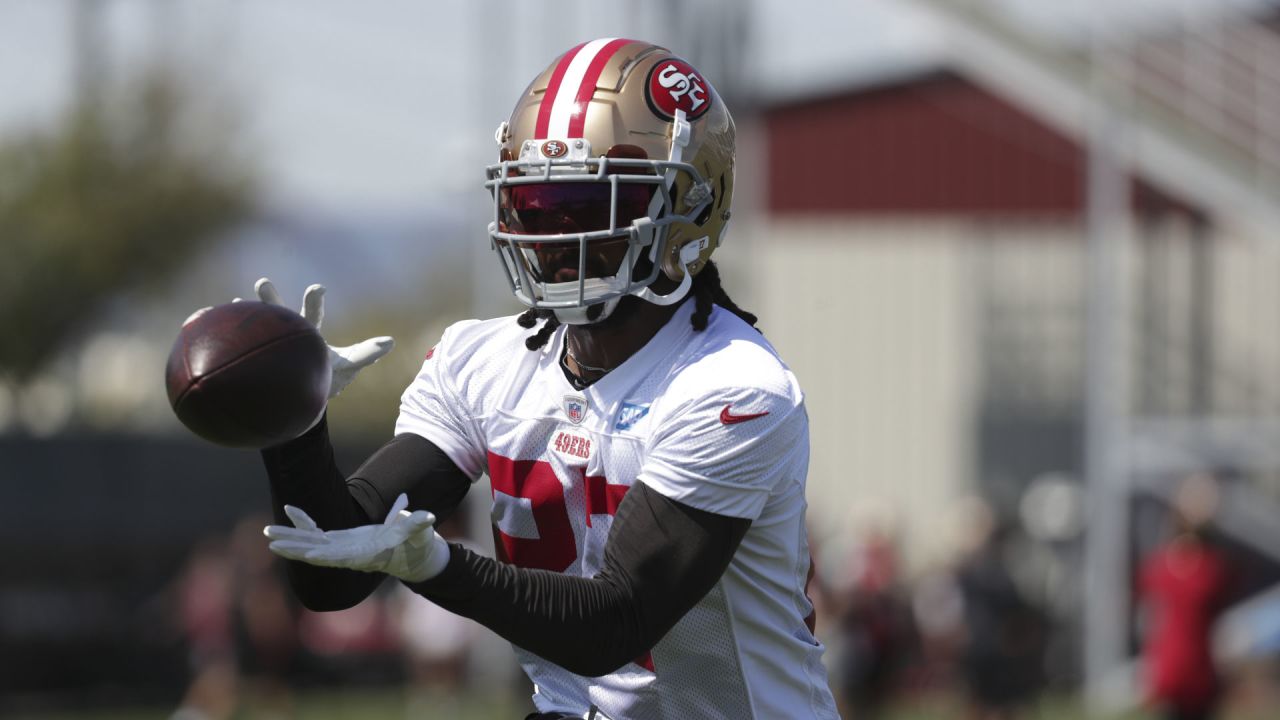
pixel 406 545
pixel 345 361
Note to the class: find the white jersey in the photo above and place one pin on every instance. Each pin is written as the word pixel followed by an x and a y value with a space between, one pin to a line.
pixel 711 419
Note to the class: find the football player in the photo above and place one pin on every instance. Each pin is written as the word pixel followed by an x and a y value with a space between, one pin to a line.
pixel 646 446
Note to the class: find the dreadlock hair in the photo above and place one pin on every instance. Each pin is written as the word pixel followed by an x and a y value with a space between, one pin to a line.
pixel 529 318
pixel 706 291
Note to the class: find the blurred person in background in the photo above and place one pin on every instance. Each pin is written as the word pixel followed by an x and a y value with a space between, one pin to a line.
pixel 241 628
pixel 1002 655
pixel 874 626
pixel 204 599
pixel 937 613
pixel 437 644
pixel 646 446
pixel 1183 588
pixel 265 623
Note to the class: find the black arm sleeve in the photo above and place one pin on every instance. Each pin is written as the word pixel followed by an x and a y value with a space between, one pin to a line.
pixel 303 473
pixel 661 558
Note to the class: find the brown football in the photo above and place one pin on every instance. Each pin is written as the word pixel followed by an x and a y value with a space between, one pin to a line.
pixel 248 374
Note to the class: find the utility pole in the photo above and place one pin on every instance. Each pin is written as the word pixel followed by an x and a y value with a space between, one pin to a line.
pixel 1107 401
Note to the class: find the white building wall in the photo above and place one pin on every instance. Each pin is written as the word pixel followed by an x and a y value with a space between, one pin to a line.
pixel 902 331
pixel 878 322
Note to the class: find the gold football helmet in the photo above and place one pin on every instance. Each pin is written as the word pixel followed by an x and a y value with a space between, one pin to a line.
pixel 616 165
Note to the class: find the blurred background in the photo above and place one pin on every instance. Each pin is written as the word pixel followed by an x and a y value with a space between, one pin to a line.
pixel 1021 255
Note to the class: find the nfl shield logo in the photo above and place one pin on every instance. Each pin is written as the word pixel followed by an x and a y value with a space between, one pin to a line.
pixel 575 408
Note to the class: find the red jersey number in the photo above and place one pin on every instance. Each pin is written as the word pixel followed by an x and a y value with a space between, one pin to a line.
pixel 534 480
pixel 554 548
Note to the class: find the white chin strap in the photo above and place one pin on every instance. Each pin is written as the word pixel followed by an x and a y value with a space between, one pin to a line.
pixel 688 254
pixel 568 292
pixel 582 315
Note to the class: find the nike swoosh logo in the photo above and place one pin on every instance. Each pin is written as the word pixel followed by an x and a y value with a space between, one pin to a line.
pixel 729 418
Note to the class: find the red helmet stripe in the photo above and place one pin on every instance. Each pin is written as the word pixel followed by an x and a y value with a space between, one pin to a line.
pixel 553 88
pixel 578 122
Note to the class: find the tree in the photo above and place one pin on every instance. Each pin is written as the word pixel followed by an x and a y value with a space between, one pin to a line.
pixel 114 197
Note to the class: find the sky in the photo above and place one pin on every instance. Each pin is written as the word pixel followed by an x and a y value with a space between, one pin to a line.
pixel 381 105
pixel 378 106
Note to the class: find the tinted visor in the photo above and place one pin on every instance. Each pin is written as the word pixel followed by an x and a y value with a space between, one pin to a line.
pixel 569 207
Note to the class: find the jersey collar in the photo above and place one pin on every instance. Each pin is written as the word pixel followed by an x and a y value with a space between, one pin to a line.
pixel 665 343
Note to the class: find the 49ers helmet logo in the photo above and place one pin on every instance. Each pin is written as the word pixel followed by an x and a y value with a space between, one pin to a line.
pixel 554 149
pixel 675 85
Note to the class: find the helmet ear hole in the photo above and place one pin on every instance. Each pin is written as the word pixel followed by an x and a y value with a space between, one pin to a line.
pixel 704 215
